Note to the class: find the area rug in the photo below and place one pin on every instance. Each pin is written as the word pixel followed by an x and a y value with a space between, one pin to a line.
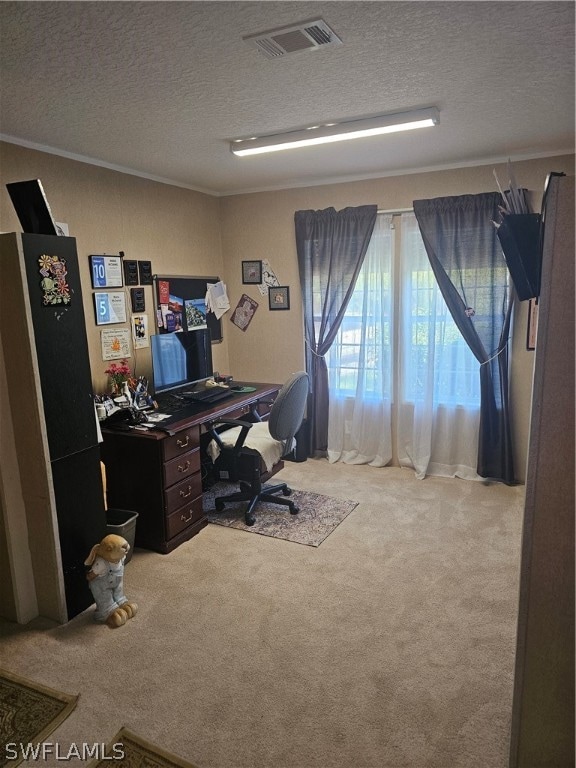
pixel 318 516
pixel 131 751
pixel 28 714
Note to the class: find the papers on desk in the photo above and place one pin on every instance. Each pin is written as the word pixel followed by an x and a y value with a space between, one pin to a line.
pixel 217 299
pixel 155 416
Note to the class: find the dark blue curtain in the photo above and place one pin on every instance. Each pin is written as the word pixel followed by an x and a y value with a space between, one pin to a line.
pixel 469 266
pixel 331 246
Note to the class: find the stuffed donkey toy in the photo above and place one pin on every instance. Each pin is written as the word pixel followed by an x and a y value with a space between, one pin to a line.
pixel 105 577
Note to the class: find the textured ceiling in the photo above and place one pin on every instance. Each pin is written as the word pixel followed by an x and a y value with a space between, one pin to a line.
pixel 159 88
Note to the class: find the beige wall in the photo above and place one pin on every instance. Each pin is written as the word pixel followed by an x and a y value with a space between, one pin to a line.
pixel 185 232
pixel 176 229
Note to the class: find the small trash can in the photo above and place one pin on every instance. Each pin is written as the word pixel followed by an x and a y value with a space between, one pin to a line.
pixel 302 438
pixel 122 522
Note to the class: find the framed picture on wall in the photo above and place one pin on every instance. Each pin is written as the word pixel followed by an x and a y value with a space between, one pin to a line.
pixel 106 271
pixel 279 297
pixel 244 312
pixel 145 272
pixel 109 308
pixel 251 272
pixel 130 272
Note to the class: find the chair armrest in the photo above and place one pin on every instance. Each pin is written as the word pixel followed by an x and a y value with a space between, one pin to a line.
pixel 254 408
pixel 246 426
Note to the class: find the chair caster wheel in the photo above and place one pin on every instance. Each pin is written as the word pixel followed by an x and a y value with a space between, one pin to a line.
pixel 250 520
pixel 294 509
pixel 287 492
pixel 219 505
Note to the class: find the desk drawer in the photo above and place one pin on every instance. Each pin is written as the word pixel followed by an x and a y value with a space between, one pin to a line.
pixel 181 442
pixel 182 493
pixel 244 413
pixel 181 467
pixel 184 517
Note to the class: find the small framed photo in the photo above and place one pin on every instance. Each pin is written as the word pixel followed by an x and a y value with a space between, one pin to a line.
pixel 279 297
pixel 130 272
pixel 145 272
pixel 251 272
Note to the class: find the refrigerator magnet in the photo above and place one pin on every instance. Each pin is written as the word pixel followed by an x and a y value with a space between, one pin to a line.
pixel 53 271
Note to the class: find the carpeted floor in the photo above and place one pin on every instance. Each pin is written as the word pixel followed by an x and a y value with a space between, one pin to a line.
pixel 319 515
pixel 29 713
pixel 129 750
pixel 391 645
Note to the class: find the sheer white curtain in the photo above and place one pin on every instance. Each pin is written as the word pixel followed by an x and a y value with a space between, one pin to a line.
pixel 359 362
pixel 438 376
pixel 424 360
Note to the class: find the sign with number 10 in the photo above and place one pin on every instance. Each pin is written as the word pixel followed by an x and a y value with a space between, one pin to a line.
pixel 106 271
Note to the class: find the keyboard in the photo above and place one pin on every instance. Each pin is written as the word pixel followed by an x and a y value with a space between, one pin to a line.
pixel 208 395
pixel 176 405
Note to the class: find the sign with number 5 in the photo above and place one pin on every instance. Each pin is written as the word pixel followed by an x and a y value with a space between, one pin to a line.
pixel 109 308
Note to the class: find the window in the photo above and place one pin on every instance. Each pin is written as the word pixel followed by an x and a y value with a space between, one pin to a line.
pixel 432 349
pixel 362 356
pixel 400 357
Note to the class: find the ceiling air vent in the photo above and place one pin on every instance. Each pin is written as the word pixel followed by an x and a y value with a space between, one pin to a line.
pixel 308 36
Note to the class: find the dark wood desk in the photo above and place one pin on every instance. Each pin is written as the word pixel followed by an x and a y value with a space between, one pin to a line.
pixel 160 475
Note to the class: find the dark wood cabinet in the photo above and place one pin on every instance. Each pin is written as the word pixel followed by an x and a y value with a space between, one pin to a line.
pixel 161 475
pixel 57 510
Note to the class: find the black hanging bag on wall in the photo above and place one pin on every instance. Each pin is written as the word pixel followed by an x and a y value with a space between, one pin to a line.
pixel 519 235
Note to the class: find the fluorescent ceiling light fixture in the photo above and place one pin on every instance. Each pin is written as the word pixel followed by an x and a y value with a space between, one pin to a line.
pixel 331 132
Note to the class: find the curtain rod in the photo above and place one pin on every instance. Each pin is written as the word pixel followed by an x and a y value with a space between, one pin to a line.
pixel 395 211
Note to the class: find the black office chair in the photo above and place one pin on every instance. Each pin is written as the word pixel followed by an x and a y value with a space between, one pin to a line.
pixel 250 453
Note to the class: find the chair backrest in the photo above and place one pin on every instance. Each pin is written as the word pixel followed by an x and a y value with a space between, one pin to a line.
pixel 288 410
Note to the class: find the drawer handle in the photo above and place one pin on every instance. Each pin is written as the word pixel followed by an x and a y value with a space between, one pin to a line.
pixel 185 494
pixel 187 519
pixel 183 467
pixel 181 443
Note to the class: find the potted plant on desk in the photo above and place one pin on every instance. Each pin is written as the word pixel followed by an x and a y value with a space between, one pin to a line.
pixel 119 373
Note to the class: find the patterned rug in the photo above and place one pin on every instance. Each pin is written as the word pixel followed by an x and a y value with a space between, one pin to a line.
pixel 131 751
pixel 319 515
pixel 28 714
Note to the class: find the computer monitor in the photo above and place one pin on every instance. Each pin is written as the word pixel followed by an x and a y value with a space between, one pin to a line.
pixel 32 207
pixel 181 359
